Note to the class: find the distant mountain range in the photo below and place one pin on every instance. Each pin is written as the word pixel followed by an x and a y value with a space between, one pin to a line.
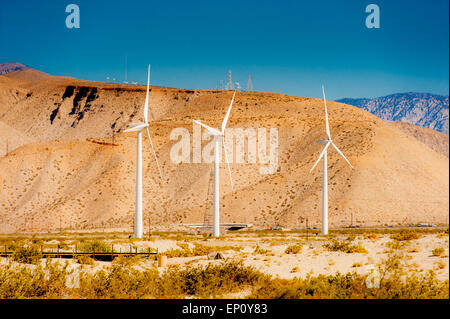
pixel 11 67
pixel 422 109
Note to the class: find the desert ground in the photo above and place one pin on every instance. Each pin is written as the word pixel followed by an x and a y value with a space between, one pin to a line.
pixel 267 251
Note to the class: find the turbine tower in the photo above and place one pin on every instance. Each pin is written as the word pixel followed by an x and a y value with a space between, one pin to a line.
pixel 327 143
pixel 219 136
pixel 249 83
pixel 138 127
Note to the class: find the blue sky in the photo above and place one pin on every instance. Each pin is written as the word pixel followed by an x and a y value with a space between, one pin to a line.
pixel 290 47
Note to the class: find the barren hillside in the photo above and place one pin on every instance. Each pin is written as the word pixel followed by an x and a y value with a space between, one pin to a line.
pixel 67 167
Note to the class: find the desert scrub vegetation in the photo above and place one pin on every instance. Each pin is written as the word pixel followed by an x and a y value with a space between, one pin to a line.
pixel 438 251
pixel 344 246
pixel 371 236
pixel 405 234
pixel 261 251
pixel 294 249
pixel 197 250
pixel 205 282
pixel 352 286
pixel 28 254
pixel 96 245
pixel 18 282
pixel 122 280
pixel 394 283
pixel 84 260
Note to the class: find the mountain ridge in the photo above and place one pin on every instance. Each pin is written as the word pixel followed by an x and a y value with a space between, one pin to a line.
pixel 8 67
pixel 422 109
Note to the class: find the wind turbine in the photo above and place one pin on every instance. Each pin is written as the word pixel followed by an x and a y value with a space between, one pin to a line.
pixel 218 135
pixel 138 127
pixel 327 143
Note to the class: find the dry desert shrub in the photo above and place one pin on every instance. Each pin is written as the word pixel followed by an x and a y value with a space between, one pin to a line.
pixel 121 280
pixel 438 251
pixel 96 245
pixel 38 282
pixel 27 254
pixel 345 247
pixel 393 284
pixel 405 234
pixel 294 249
pixel 371 236
pixel 84 260
pixel 198 250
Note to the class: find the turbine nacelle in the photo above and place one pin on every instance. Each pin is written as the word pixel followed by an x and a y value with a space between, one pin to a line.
pixel 328 142
pixel 134 127
pixel 216 133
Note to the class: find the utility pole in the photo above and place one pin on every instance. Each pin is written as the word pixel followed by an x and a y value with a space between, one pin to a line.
pixel 149 226
pixel 306 228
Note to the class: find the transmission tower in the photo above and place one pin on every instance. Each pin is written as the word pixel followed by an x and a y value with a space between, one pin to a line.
pixel 249 84
pixel 230 82
pixel 207 218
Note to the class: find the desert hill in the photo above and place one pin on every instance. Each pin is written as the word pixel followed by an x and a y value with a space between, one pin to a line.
pixel 436 140
pixel 80 167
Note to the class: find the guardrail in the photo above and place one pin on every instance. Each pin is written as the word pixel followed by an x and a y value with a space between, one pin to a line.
pixel 103 256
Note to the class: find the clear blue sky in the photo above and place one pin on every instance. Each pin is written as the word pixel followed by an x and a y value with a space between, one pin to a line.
pixel 290 47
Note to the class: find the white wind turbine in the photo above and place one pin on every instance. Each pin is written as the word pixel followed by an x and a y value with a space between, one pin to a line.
pixel 138 127
pixel 218 135
pixel 325 169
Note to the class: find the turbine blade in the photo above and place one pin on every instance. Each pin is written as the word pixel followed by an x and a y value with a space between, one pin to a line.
pixel 320 157
pixel 146 97
pixel 212 130
pixel 135 127
pixel 225 120
pixel 327 126
pixel 342 154
pixel 228 163
pixel 154 153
